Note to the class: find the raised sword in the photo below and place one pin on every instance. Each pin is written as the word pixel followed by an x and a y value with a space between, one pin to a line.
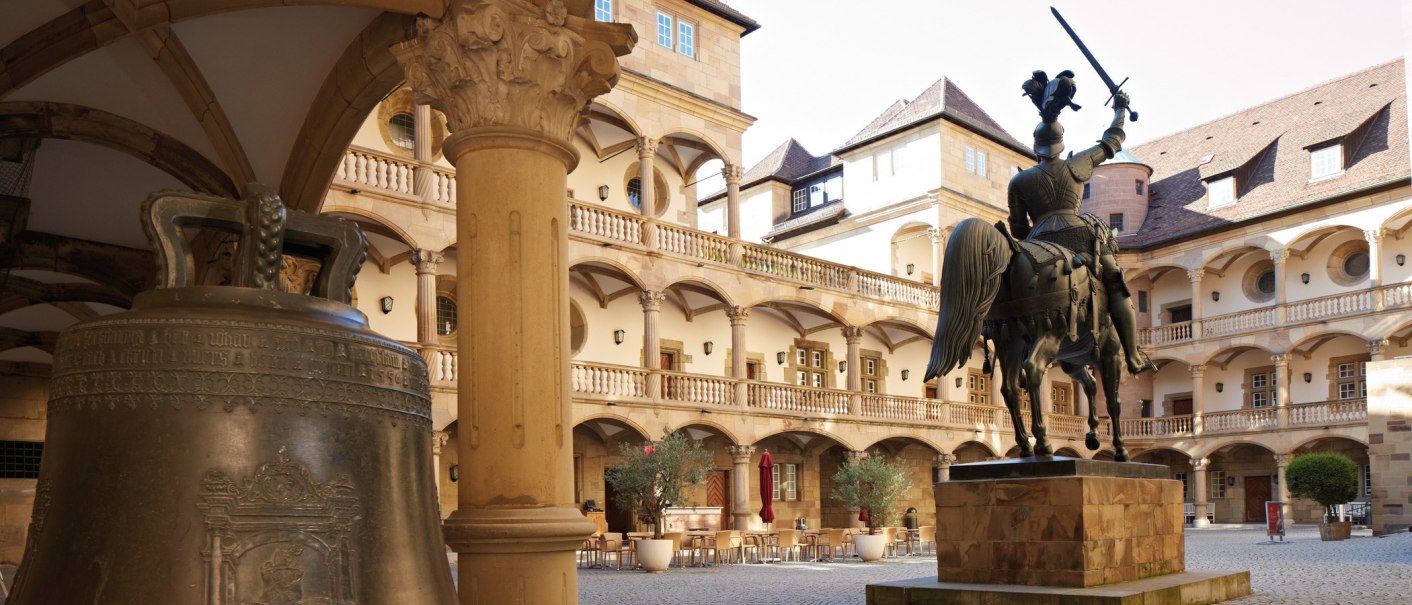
pixel 1112 87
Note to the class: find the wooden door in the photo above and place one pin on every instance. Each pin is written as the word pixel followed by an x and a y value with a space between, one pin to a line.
pixel 619 519
pixel 1181 406
pixel 1257 492
pixel 718 494
pixel 1181 314
pixel 931 391
pixel 668 362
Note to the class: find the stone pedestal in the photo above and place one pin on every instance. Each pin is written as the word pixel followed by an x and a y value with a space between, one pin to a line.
pixel 1039 528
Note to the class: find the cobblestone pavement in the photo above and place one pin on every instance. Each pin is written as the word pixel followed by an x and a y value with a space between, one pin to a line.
pixel 1361 571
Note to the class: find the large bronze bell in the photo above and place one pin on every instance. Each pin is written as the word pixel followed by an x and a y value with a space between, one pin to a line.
pixel 237 445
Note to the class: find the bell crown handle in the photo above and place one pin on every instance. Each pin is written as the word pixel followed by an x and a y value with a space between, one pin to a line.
pixel 265 231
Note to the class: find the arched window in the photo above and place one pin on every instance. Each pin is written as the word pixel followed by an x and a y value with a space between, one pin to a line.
pixel 402 128
pixel 445 315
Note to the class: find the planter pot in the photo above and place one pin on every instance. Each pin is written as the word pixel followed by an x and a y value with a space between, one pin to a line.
pixel 1333 531
pixel 654 555
pixel 870 548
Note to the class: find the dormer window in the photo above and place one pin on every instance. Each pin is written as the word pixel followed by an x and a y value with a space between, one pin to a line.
pixel 1325 161
pixel 1220 192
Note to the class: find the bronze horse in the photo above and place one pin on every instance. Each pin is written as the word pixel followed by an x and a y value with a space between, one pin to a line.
pixel 1036 303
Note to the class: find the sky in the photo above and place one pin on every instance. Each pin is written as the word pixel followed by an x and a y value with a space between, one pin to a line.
pixel 820 70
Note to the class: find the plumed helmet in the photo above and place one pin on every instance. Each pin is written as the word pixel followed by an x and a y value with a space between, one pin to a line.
pixel 1049 139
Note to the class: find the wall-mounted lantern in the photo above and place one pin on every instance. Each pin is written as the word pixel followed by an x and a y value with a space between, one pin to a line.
pixel 618 336
pixel 911 267
pixel 386 305
pixel 602 193
pixel 455 473
pixel 1308 377
pixel 958 382
pixel 1304 277
pixel 1220 386
pixel 779 357
pixel 708 346
pixel 1215 295
pixel 906 374
pixel 1401 259
pixel 843 366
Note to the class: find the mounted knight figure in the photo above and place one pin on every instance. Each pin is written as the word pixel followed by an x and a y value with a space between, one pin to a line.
pixel 1052 291
pixel 1045 199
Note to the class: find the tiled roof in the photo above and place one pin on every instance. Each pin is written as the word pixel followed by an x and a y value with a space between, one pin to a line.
pixel 942 98
pixel 724 11
pixel 788 162
pixel 1267 147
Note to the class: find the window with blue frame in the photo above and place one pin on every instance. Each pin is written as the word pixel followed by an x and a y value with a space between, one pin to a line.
pixel 686 38
pixel 603 10
pixel 664 29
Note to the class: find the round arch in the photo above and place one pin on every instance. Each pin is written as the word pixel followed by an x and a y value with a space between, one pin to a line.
pixel 908 437
pixel 1327 437
pixel 603 260
pixel 717 427
pixel 614 419
pixel 373 222
pixel 1212 449
pixel 840 441
pixel 970 449
pixel 1154 451
pixel 1235 350
pixel 715 288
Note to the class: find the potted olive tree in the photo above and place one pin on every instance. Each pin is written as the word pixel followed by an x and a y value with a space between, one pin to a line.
pixel 648 478
pixel 1329 479
pixel 874 486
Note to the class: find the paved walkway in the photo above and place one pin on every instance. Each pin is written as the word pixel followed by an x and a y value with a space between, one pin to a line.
pixel 1361 571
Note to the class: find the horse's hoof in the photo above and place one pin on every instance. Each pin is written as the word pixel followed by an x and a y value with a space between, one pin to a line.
pixel 1043 449
pixel 1120 457
pixel 1026 453
pixel 1091 441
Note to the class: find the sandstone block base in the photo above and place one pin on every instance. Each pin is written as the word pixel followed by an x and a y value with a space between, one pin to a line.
pixel 1077 531
pixel 1186 588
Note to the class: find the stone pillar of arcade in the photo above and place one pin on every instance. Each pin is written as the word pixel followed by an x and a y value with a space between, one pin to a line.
pixel 512 77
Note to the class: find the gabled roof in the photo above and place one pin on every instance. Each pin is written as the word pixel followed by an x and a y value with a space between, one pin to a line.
pixel 1267 147
pixel 786 164
pixel 724 11
pixel 942 99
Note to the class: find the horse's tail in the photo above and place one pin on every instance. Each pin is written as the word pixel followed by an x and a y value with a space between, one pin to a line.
pixel 977 253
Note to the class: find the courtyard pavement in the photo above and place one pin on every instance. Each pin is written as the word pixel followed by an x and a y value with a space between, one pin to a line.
pixel 1360 571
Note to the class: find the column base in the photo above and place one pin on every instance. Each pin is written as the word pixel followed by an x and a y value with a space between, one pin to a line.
pixel 516 530
pixel 1187 588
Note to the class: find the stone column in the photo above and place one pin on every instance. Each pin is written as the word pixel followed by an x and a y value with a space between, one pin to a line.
pixel 738 316
pixel 1282 492
pixel 740 485
pixel 1281 395
pixel 1375 265
pixel 1377 349
pixel 938 253
pixel 1198 398
pixel 853 522
pixel 426 262
pixel 438 439
pixel 732 173
pixel 1198 491
pixel 512 78
pixel 1280 258
pixel 943 465
pixel 421 151
pixel 1195 276
pixel 651 344
pixel 646 152
pixel 853 335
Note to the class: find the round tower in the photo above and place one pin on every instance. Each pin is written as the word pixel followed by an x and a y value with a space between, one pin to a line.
pixel 1118 192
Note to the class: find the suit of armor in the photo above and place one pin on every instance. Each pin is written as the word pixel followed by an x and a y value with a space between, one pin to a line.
pixel 1044 202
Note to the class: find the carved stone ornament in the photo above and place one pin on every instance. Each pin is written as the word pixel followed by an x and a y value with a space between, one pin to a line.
pixel 494 63
pixel 279 537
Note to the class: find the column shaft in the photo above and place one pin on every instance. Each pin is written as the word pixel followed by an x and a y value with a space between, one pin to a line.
pixel 1198 492
pixel 421 150
pixel 732 173
pixel 1282 489
pixel 426 262
pixel 1280 259
pixel 1196 316
pixel 651 344
pixel 738 316
pixel 646 152
pixel 740 485
pixel 1198 398
pixel 938 253
pixel 1281 395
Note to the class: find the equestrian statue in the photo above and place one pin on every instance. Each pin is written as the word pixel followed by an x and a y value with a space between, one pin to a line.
pixel 1047 288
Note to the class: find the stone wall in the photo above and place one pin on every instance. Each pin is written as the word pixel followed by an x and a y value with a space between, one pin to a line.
pixel 1390 443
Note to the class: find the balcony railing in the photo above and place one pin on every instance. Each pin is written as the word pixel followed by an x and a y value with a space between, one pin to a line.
pixel 1327 413
pixel 791 398
pixel 1326 307
pixel 1239 420
pixel 1235 323
pixel 1156 427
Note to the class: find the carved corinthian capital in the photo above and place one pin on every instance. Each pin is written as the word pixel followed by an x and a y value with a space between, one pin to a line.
pixel 528 64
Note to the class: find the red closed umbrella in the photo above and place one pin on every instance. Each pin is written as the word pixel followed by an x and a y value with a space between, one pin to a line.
pixel 767 487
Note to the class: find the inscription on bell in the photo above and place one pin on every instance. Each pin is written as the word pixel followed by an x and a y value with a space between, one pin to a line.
pixel 238 350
